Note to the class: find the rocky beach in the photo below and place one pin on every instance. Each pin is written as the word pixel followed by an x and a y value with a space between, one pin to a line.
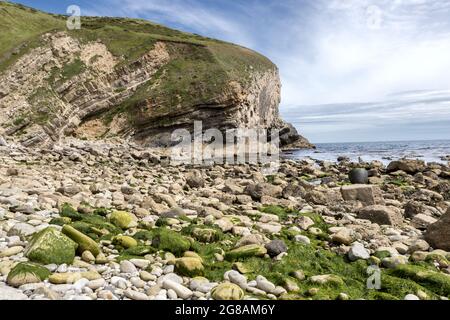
pixel 95 220
pixel 92 206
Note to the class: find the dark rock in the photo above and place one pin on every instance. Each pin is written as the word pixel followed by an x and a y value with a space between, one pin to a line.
pixel 343 159
pixel 195 179
pixel 414 208
pixel 359 176
pixel 275 247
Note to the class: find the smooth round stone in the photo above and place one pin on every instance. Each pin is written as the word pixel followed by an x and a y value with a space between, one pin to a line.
pixel 357 251
pixel 236 277
pixel 359 176
pixel 127 267
pixel 80 284
pixel 96 284
pixel 140 263
pixel 12 251
pixel 137 282
pixel 302 239
pixel 135 295
pixel 411 297
pixel 171 294
pixel 119 282
pixel 147 276
pixel 264 284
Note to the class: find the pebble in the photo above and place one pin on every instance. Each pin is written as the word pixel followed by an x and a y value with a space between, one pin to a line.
pixel 127 267
pixel 357 251
pixel 135 295
pixel 264 284
pixel 180 290
pixel 302 239
pixel 12 251
pixel 96 284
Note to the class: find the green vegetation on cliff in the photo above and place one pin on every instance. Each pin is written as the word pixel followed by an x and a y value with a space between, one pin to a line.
pixel 198 72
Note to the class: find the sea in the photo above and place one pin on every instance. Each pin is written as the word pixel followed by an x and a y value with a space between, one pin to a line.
pixel 428 151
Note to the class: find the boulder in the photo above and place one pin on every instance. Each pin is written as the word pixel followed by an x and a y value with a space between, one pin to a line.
pixel 26 273
pixel 51 246
pixel 438 234
pixel 189 266
pixel 171 241
pixel 367 194
pixel 275 247
pixel 408 166
pixel 422 221
pixel 382 215
pixel 123 219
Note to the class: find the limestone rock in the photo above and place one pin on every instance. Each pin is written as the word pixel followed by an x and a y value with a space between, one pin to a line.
pixel 382 215
pixel 367 194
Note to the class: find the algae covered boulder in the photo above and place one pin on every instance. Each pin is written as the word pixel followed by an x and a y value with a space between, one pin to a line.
pixel 25 273
pixel 251 250
pixel 123 219
pixel 171 241
pixel 227 291
pixel 189 266
pixel 83 241
pixel 51 246
pixel 125 241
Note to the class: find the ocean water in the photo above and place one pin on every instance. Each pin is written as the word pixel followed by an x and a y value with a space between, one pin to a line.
pixel 429 151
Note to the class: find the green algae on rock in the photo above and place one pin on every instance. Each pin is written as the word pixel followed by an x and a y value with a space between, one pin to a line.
pixel 251 250
pixel 189 266
pixel 26 273
pixel 122 219
pixel 168 240
pixel 125 241
pixel 84 242
pixel 227 291
pixel 51 246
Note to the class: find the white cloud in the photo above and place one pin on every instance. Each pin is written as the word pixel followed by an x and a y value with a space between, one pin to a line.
pixel 335 52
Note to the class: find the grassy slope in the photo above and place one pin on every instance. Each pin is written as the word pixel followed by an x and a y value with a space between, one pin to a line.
pixel 197 74
pixel 20 28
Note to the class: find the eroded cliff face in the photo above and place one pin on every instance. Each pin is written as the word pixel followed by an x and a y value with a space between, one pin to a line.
pixel 75 84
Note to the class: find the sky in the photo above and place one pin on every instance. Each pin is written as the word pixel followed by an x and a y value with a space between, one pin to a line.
pixel 351 70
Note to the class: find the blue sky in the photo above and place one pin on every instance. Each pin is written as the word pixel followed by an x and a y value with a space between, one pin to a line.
pixel 352 70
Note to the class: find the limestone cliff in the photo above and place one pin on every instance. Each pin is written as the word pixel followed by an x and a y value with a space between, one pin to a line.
pixel 128 78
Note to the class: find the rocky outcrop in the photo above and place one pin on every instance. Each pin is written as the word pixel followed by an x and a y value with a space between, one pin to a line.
pixel 92 84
